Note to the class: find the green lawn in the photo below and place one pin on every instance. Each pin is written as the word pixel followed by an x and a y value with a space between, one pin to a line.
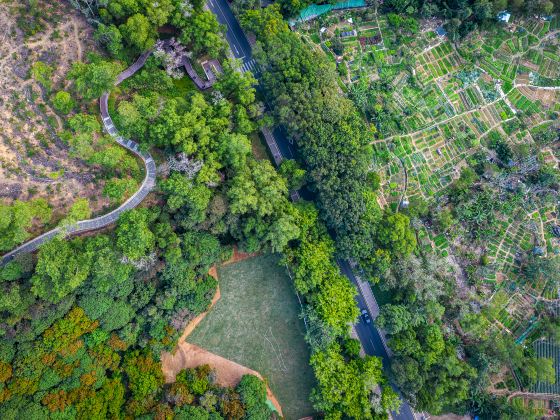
pixel 256 324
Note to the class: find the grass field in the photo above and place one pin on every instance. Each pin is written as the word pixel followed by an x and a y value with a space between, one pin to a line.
pixel 256 324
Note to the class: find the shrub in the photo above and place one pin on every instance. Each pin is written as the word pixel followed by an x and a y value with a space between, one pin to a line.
pixel 63 102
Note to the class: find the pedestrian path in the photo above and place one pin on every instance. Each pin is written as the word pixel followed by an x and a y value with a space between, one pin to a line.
pixel 251 66
pixel 99 222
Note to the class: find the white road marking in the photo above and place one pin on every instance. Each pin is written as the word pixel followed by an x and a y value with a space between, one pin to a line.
pixel 227 23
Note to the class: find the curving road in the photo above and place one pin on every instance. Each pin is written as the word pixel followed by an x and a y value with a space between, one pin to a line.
pixel 147 184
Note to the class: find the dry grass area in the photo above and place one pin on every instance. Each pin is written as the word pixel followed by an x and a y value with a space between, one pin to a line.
pixel 188 355
pixel 34 161
pixel 256 324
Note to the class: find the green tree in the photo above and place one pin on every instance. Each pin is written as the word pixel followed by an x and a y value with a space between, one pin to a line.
pixel 395 234
pixel 134 237
pixel 79 210
pixel 61 268
pixel 16 218
pixel 119 189
pixel 202 32
pixel 253 395
pixel 237 86
pixel 93 79
pixel 110 38
pixel 144 374
pixel 335 302
pixel 344 387
pixel 138 32
pixel 293 173
pixel 63 102
pixel 117 315
pixel 42 73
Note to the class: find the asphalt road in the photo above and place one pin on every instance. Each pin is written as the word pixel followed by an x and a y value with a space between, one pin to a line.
pixel 241 49
pixel 371 341
pixel 234 34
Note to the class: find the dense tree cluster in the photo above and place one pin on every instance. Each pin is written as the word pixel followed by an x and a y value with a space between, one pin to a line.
pixel 331 137
pixel 84 322
pixel 347 384
pixel 462 15
pixel 230 193
pixel 426 365
pixel 17 218
pixel 90 305
pixel 129 27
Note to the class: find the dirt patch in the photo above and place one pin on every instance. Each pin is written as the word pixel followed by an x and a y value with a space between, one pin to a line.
pixel 547 97
pixel 239 256
pixel 213 272
pixel 34 161
pixel 228 373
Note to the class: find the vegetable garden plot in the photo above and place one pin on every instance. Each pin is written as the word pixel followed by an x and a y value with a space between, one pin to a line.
pixel 522 103
pixel 548 348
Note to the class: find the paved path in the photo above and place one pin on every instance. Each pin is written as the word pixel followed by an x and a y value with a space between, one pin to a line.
pixel 147 184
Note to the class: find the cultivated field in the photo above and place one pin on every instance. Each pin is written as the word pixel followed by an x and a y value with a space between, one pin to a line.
pixel 440 106
pixel 255 323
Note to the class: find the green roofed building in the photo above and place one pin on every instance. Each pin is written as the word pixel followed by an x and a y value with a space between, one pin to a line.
pixel 314 10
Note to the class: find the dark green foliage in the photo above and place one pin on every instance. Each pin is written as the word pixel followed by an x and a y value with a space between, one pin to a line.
pixel 93 79
pixel 253 394
pixel 60 269
pixel 502 149
pixel 117 315
pixel 202 33
pixel 109 37
pixel 202 250
pixel 330 135
pixel 63 102
pixel 134 237
pixel 143 373
pixel 294 174
pixel 16 218
pixel 95 304
pixel 189 412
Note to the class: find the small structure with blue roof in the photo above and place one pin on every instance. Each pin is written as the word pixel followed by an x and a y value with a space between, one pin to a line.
pixel 440 30
pixel 504 16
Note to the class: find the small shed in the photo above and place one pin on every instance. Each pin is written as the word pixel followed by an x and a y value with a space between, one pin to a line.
pixel 348 33
pixel 440 31
pixel 504 16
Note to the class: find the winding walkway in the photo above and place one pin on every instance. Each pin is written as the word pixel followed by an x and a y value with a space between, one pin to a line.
pixel 99 222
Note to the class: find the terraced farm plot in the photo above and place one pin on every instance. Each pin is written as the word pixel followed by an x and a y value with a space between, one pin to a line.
pixel 443 105
pixel 437 62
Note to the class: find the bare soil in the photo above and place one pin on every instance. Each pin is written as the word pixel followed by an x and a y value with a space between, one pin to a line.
pixel 548 98
pixel 236 257
pixel 34 161
pixel 228 373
